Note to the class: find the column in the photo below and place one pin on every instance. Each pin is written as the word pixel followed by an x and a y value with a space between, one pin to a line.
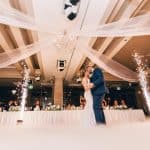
pixel 58 91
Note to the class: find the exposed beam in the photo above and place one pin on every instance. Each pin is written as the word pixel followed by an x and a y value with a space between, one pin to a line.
pixel 20 43
pixel 109 77
pixel 99 12
pixel 112 51
pixel 9 73
pixel 108 16
pixel 115 11
pixel 33 36
pixel 131 8
pixel 3 41
pixel 115 8
pixel 112 6
pixel 116 47
pixel 7 45
pixel 27 7
pixel 16 32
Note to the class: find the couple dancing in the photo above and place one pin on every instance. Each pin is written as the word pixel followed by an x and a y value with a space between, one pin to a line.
pixel 94 86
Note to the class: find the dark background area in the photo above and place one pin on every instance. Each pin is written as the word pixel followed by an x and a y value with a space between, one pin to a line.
pixel 43 93
pixel 71 95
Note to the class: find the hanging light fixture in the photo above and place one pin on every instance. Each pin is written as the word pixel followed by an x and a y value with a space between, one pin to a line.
pixel 13 92
pixel 71 8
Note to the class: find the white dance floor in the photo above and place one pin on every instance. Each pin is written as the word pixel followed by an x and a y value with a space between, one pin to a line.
pixel 62 130
pixel 124 137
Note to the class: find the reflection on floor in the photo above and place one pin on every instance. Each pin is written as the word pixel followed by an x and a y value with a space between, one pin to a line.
pixel 134 136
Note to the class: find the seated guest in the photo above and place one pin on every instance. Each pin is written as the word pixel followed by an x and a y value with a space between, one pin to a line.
pixel 73 107
pixel 4 107
pixel 104 104
pixel 37 106
pixel 16 105
pixel 82 102
pixel 123 104
pixel 10 105
pixel 116 105
pixel 1 107
pixel 68 106
pixel 108 101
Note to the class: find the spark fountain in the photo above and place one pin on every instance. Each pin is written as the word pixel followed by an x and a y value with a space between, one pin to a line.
pixel 142 69
pixel 24 92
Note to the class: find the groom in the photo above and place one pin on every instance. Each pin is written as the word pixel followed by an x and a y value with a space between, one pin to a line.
pixel 98 90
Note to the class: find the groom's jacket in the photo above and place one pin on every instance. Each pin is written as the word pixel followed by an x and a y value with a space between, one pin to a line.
pixel 98 80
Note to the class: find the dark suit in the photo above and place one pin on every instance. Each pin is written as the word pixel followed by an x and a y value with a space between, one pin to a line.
pixel 98 92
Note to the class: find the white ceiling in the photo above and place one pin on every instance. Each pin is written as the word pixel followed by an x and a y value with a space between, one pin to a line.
pixel 51 15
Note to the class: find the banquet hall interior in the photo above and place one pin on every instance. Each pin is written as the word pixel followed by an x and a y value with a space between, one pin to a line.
pixel 44 49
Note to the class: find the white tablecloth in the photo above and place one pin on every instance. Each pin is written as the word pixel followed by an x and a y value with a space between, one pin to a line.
pixel 123 116
pixel 68 118
pixel 50 118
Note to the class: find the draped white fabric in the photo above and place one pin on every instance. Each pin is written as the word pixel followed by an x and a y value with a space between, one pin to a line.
pixel 15 55
pixel 135 26
pixel 13 17
pixel 114 68
pixel 68 118
pixel 139 25
pixel 109 65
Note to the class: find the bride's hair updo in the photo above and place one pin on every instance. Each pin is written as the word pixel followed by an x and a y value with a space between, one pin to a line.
pixel 85 70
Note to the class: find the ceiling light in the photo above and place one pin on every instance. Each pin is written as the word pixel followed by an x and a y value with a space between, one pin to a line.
pixel 13 92
pixel 71 8
pixel 118 88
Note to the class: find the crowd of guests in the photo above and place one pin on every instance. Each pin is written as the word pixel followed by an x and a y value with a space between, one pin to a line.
pixel 116 104
pixel 71 106
pixel 13 105
pixel 106 104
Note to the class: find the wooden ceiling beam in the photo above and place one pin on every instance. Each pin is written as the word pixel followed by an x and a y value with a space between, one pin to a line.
pixel 109 12
pixel 112 51
pixel 9 73
pixel 109 77
pixel 21 43
pixel 132 6
pixel 7 45
pixel 27 7
pixel 115 9
pixel 112 10
pixel 34 37
pixel 18 36
pixel 91 41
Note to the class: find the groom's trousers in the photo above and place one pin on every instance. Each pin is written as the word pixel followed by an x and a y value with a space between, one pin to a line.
pixel 98 110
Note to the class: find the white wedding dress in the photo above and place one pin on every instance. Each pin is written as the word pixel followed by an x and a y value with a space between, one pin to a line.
pixel 89 117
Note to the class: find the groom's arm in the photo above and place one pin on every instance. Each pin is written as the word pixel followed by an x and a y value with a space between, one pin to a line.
pixel 100 79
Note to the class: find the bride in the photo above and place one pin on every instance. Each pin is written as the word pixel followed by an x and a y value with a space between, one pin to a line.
pixel 89 117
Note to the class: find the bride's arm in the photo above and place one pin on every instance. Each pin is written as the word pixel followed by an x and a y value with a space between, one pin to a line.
pixel 85 84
